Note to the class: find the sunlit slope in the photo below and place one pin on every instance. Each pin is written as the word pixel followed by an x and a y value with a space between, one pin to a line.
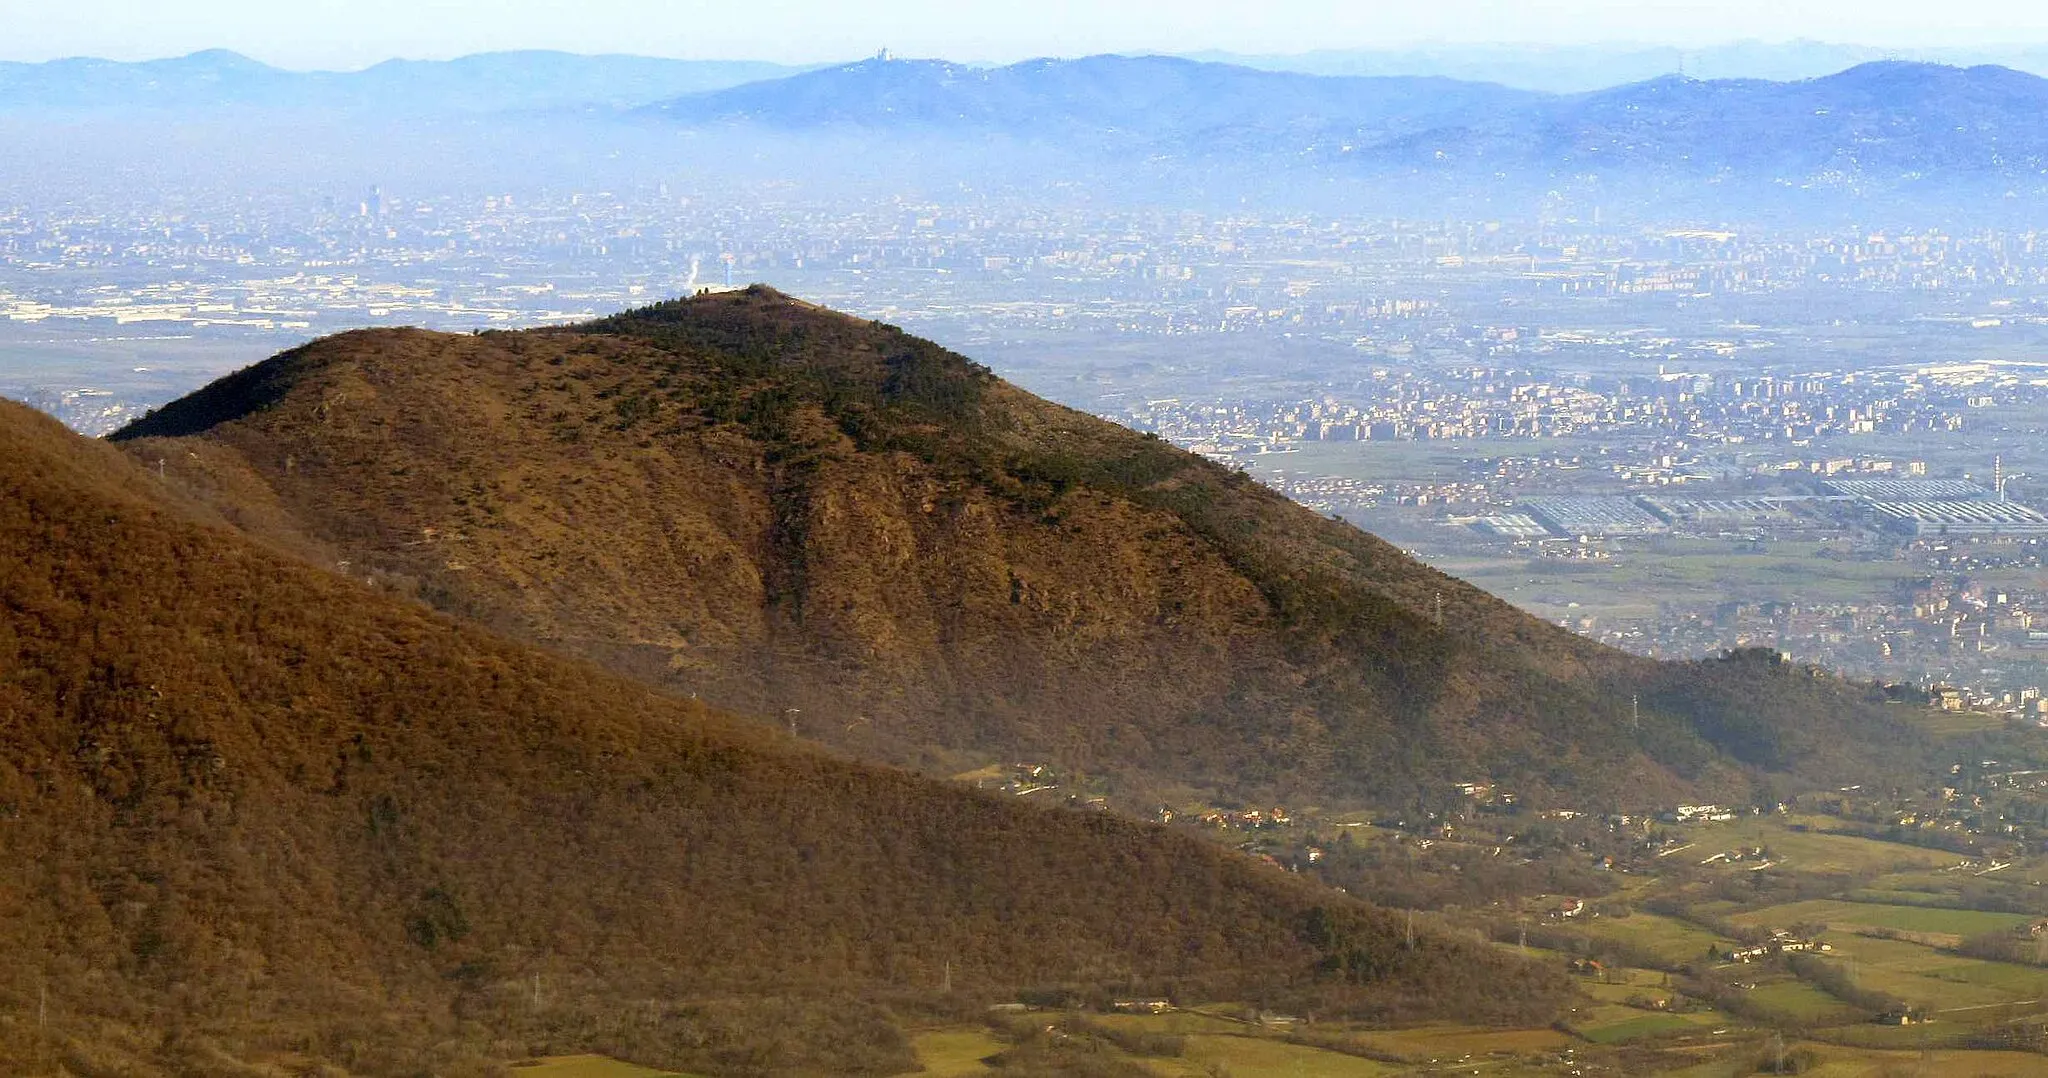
pixel 829 522
pixel 251 809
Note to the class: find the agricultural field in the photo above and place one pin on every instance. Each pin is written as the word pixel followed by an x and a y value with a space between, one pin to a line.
pixel 1174 1022
pixel 1800 1003
pixel 1612 1023
pixel 1812 851
pixel 1672 941
pixel 1851 916
pixel 1642 985
pixel 953 1053
pixel 584 1067
pixel 1956 723
pixel 1834 1061
pixel 1433 1042
pixel 1252 1054
pixel 1885 910
pixel 1640 581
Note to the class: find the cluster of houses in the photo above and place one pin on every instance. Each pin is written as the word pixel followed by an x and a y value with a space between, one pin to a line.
pixel 1250 819
pixel 1566 910
pixel 1142 1006
pixel 1487 798
pixel 1700 814
pixel 1780 943
pixel 1757 856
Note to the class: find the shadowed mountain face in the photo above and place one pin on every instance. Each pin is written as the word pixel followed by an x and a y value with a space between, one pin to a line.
pixel 828 523
pixel 253 811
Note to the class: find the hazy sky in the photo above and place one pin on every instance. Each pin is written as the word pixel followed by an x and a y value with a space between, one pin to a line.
pixel 352 33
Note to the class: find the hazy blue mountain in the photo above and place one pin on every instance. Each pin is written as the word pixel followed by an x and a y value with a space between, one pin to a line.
pixel 1583 68
pixel 1154 100
pixel 1879 127
pixel 491 81
pixel 1572 68
pixel 487 82
pixel 216 77
pixel 1882 123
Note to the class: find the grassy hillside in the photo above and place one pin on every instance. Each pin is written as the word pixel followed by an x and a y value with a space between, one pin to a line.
pixel 255 816
pixel 800 514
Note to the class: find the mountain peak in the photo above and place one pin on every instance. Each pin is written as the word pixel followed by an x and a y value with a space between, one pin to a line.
pixel 789 510
pixel 219 60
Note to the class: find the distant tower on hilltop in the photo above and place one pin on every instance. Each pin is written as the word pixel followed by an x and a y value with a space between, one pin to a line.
pixel 884 55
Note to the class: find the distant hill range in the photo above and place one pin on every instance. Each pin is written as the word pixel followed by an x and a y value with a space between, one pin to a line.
pixel 842 528
pixel 1883 127
pixel 487 82
pixel 1583 68
pixel 1145 102
pixel 257 817
pixel 1962 141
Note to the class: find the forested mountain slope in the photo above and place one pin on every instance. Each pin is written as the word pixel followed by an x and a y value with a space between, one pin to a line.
pixel 253 812
pixel 826 521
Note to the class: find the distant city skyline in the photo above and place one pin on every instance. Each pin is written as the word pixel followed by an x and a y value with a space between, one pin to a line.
pixel 349 34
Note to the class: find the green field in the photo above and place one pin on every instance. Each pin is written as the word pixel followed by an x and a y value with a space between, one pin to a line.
pixel 584 1067
pixel 950 1053
pixel 1673 941
pixel 1238 1049
pixel 1837 1062
pixel 1612 992
pixel 1801 1003
pixel 1247 1055
pixel 1937 980
pixel 1438 1042
pixel 1919 919
pixel 1180 1022
pixel 1811 851
pixel 1610 1024
pixel 1638 580
pixel 1956 723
